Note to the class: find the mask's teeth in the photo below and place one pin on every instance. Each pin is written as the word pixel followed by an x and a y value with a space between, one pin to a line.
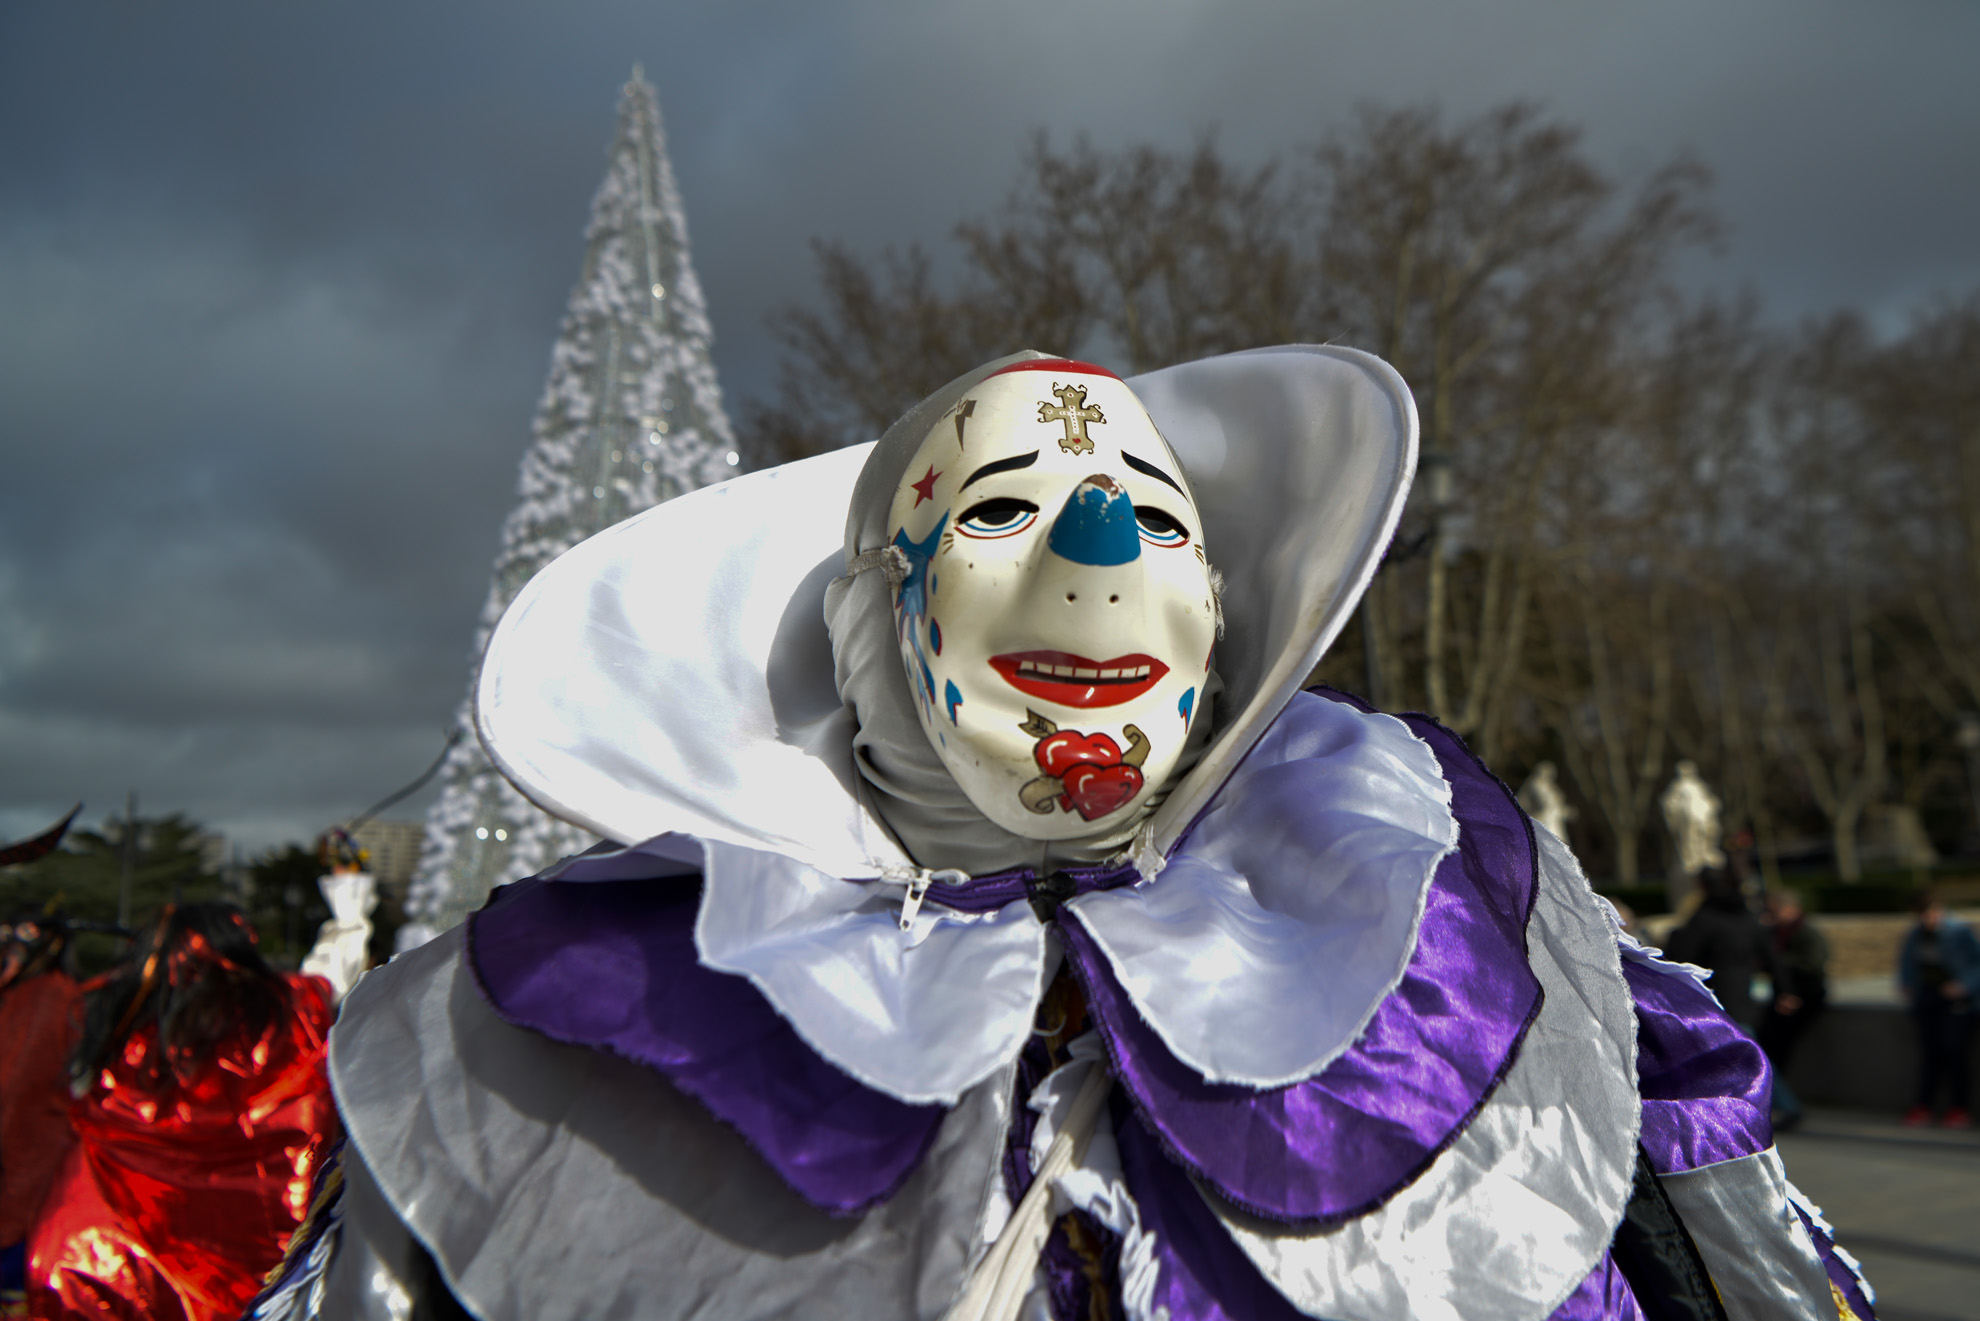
pixel 1120 674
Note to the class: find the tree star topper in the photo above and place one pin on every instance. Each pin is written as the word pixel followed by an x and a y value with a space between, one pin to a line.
pixel 1072 409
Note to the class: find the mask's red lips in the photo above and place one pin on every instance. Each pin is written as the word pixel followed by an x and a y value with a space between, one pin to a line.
pixel 1069 680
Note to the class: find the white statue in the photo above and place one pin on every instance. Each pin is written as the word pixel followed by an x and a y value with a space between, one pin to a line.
pixel 1691 814
pixel 342 950
pixel 1543 800
pixel 341 955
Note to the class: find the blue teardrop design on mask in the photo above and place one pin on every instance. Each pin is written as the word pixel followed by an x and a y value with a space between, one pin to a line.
pixel 1186 705
pixel 911 601
pixel 1096 526
pixel 953 696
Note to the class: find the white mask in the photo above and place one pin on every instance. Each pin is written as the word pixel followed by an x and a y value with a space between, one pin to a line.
pixel 1057 618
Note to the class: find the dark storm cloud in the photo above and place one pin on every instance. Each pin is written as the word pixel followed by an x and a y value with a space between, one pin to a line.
pixel 277 283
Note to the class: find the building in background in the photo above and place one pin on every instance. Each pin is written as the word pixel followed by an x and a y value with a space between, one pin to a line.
pixel 393 848
pixel 631 415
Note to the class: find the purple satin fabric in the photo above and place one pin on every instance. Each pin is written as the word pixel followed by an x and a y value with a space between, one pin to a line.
pixel 1840 1276
pixel 1204 1274
pixel 611 964
pixel 1707 1089
pixel 995 892
pixel 1341 1143
pixel 1604 1296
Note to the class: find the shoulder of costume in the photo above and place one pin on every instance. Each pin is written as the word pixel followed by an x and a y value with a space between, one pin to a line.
pixel 1707 1087
pixel 1423 1064
pixel 502 1150
pixel 1515 1211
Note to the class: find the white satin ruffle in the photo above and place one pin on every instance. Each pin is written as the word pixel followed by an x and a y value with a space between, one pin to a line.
pixel 1318 855
pixel 1290 912
pixel 921 1014
pixel 1094 1184
pixel 673 674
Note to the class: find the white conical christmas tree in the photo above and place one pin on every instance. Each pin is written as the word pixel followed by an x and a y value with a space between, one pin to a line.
pixel 631 415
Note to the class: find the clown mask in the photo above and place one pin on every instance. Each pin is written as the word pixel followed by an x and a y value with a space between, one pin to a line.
pixel 1057 615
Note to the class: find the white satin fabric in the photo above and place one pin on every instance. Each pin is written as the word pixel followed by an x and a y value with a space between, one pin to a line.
pixel 1278 929
pixel 1799 1201
pixel 1219 956
pixel 1514 1214
pixel 1761 1259
pixel 1094 1183
pixel 674 673
pixel 1300 458
pixel 921 1014
pixel 553 1182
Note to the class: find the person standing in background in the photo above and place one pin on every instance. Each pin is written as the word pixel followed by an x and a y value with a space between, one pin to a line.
pixel 1801 956
pixel 1726 939
pixel 40 1018
pixel 202 1111
pixel 1939 972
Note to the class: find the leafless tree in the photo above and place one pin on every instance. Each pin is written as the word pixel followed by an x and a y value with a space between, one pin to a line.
pixel 1179 255
pixel 1920 398
pixel 1812 637
pixel 1494 265
pixel 887 337
pixel 1646 527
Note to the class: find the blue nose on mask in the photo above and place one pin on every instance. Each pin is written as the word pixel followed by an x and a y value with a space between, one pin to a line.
pixel 1097 525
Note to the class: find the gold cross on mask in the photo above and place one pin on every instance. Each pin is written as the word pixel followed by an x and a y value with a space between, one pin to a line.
pixel 1072 410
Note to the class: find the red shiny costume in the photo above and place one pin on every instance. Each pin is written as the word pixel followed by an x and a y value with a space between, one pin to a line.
pixel 187 1181
pixel 39 1021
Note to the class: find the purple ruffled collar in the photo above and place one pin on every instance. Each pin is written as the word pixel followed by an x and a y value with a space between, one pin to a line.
pixel 609 962
pixel 1340 1143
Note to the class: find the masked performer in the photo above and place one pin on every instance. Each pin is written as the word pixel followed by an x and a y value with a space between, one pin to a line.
pixel 40 1017
pixel 202 1115
pixel 998 930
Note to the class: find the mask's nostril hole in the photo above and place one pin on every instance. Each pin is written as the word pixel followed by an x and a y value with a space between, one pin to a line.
pixel 1113 600
pixel 1070 596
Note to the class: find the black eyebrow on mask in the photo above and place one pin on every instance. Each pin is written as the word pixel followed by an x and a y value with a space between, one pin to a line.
pixel 1001 465
pixel 1143 466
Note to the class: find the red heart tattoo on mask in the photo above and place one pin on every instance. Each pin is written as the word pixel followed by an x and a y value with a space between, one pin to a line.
pixel 1095 791
pixel 1064 750
pixel 1084 773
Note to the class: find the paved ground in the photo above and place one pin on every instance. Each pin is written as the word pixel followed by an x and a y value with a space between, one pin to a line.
pixel 1905 1201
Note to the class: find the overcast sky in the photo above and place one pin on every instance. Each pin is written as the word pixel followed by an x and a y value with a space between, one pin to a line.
pixel 278 282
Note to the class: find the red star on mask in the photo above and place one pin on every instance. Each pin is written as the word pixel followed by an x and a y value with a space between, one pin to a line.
pixel 925 488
